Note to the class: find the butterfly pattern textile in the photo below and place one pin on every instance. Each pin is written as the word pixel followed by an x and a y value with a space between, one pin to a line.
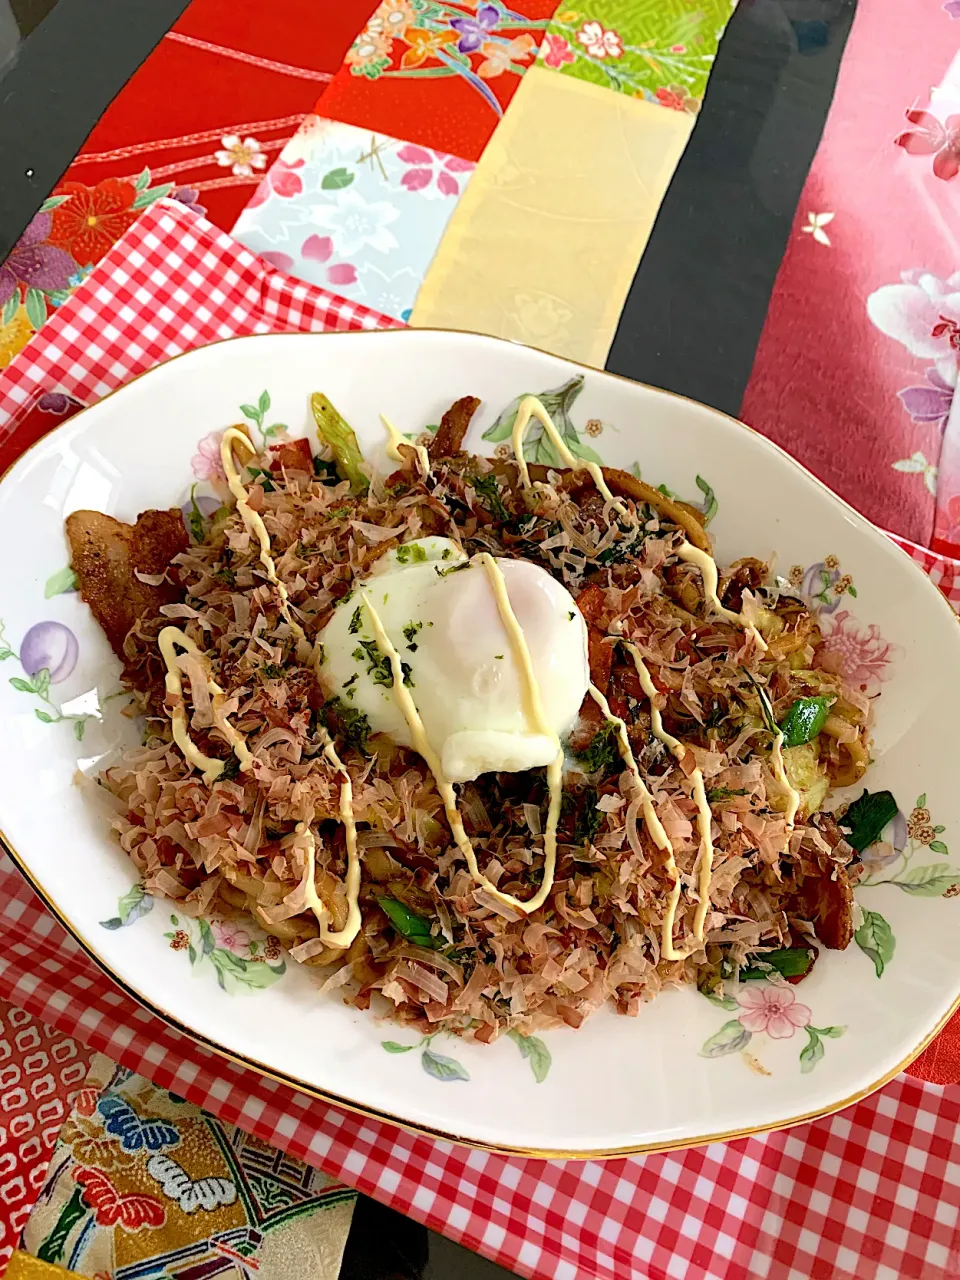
pixel 117 1202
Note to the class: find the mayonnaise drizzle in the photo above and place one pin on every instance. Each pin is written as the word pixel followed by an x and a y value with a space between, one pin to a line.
pixel 704 814
pixel 342 937
pixel 255 526
pixel 421 743
pixel 708 571
pixel 660 838
pixel 780 773
pixel 169 640
pixel 395 440
pixel 531 407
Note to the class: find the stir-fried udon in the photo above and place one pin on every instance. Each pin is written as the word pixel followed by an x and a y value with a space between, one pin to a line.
pixel 485 743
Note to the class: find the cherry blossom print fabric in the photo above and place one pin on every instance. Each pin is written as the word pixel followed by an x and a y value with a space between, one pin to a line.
pixel 357 212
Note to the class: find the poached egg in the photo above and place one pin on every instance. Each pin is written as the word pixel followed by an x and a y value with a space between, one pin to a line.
pixel 440 612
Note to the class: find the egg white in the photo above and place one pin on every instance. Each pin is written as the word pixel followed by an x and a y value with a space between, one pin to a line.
pixel 440 613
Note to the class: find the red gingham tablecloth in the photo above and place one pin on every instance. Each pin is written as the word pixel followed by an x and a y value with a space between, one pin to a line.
pixel 870 1194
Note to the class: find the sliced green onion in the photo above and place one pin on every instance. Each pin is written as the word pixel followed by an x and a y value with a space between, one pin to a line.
pixel 408 924
pixel 804 720
pixel 340 436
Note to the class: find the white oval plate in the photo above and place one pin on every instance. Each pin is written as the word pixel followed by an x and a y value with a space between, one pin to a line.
pixel 685 1070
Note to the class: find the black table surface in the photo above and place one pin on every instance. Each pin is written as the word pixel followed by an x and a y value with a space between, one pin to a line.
pixel 691 322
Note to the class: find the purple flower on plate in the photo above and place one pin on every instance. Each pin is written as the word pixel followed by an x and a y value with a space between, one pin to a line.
pixel 49 646
pixel 953 8
pixel 35 264
pixel 930 403
pixel 473 31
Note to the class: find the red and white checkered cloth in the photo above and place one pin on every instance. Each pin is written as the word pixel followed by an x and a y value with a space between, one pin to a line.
pixel 870 1194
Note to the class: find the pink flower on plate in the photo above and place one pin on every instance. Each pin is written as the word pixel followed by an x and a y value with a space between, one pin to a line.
pixel 600 41
pixel 320 249
pixel 282 180
pixel 859 654
pixel 206 463
pixel 917 313
pixel 230 936
pixel 556 52
pixel 428 167
pixel 774 1010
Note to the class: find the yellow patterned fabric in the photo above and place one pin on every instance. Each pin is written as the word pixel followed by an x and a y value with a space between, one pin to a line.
pixel 545 241
pixel 22 1267
pixel 141 1182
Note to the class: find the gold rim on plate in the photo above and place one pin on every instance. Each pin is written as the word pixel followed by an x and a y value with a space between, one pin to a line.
pixel 372 1113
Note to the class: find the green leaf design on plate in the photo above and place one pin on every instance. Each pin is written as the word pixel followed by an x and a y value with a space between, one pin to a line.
pixel 442 1068
pixel 51 203
pixel 930 881
pixel 392 1046
pixel 875 939
pixel 143 180
pixel 336 179
pixel 136 902
pixel 245 973
pixel 937 846
pixel 710 504
pixel 206 937
pixel 44 716
pixel 22 686
pixel 721 1002
pixel 10 308
pixel 812 1051
pixel 63 580
pixel 536 447
pixel 922 801
pixel 536 1053
pixel 731 1038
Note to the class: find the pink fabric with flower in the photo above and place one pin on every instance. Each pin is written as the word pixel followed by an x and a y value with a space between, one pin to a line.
pixel 857 365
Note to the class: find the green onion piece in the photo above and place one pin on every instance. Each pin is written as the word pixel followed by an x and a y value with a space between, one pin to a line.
pixel 789 962
pixel 339 435
pixel 866 818
pixel 408 924
pixel 804 720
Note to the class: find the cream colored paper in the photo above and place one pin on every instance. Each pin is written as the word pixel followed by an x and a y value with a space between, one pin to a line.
pixel 545 241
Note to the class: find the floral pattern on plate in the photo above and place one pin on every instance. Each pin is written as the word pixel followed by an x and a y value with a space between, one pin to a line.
pixel 851 649
pixel 762 1010
pixel 661 52
pixel 771 1011
pixel 357 212
pixel 243 957
pixel 446 1069
pixel 48 655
